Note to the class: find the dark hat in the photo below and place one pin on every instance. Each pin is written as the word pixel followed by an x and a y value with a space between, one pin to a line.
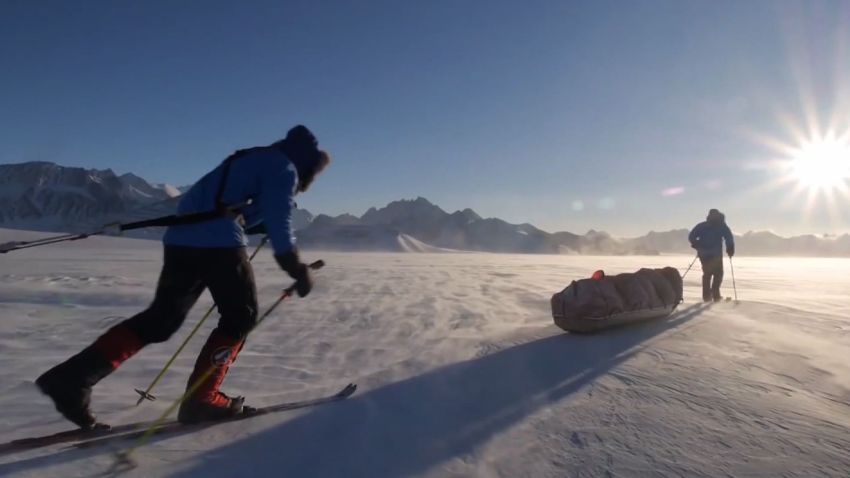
pixel 302 148
pixel 715 215
pixel 301 138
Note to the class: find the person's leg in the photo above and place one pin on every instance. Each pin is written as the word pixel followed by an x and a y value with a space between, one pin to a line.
pixel 717 279
pixel 69 384
pixel 180 285
pixel 706 278
pixel 231 283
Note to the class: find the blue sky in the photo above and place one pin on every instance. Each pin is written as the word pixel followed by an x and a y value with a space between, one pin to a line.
pixel 620 116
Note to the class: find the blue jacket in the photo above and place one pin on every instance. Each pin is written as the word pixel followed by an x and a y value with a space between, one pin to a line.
pixel 267 177
pixel 708 236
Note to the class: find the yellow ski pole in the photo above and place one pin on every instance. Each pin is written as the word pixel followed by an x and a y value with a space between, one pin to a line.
pixel 146 393
pixel 123 459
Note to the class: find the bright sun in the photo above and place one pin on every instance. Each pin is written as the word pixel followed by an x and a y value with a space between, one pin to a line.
pixel 822 164
pixel 813 172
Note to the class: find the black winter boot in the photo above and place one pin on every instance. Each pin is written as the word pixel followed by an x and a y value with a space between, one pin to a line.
pixel 69 385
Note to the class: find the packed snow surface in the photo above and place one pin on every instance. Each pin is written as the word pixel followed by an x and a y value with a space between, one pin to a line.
pixel 461 371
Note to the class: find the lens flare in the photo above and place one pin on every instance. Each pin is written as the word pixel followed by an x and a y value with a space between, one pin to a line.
pixel 821 165
pixel 812 171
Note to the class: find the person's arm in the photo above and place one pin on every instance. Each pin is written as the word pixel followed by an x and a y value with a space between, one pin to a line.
pixel 730 240
pixel 277 202
pixel 693 237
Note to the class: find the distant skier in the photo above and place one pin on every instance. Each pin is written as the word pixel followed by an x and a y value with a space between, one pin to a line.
pixel 202 255
pixel 707 238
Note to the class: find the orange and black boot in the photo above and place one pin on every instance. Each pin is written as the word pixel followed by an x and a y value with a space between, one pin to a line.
pixel 69 384
pixel 207 402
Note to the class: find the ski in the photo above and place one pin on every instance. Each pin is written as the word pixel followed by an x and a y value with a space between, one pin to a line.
pixel 23 444
pixel 175 426
pixel 83 438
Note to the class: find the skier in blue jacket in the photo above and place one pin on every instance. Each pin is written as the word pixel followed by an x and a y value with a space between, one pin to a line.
pixel 707 238
pixel 260 184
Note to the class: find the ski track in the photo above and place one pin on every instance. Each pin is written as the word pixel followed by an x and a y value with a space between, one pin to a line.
pixel 460 370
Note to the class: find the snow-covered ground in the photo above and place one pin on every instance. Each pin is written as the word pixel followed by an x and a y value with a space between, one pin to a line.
pixel 461 371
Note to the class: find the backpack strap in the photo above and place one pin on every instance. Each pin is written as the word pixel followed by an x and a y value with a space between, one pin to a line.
pixel 221 209
pixel 222 183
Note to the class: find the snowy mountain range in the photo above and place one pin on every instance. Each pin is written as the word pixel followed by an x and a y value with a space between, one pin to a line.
pixel 462 230
pixel 44 196
pixel 47 197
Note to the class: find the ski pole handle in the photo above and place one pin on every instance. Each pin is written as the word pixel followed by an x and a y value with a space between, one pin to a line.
pixel 288 292
pixel 314 266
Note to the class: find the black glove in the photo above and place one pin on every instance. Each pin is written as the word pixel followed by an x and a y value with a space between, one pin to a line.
pixel 291 263
pixel 730 250
pixel 694 245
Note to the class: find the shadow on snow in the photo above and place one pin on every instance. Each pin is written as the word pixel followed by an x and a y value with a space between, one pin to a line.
pixel 407 427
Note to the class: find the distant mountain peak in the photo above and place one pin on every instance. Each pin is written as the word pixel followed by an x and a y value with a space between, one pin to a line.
pixel 66 197
pixel 419 209
pixel 595 233
pixel 130 177
pixel 468 215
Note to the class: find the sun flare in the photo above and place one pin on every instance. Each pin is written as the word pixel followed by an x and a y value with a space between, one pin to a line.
pixel 812 171
pixel 822 164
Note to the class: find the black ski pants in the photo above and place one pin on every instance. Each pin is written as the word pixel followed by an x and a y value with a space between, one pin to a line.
pixel 186 272
pixel 712 277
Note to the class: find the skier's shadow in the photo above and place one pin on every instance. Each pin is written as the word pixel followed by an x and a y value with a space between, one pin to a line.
pixel 407 427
